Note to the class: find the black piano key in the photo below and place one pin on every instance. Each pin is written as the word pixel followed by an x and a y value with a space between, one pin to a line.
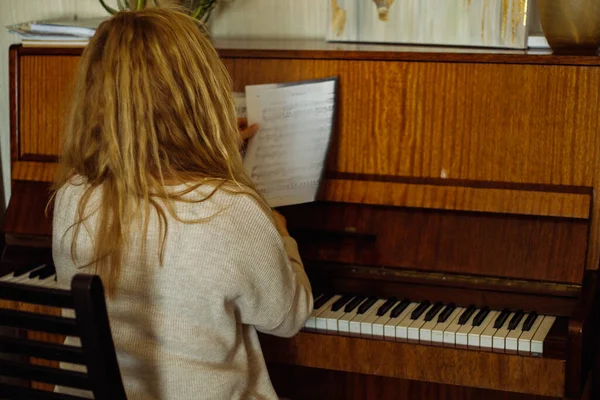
pixel 399 308
pixel 354 303
pixel 464 318
pixel 366 306
pixel 47 271
pixel 516 319
pixel 417 312
pixel 36 272
pixel 433 311
pixel 501 318
pixel 386 306
pixel 26 269
pixel 341 302
pixel 322 300
pixel 446 313
pixel 528 324
pixel 481 315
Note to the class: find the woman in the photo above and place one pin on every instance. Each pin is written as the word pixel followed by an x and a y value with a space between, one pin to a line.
pixel 151 195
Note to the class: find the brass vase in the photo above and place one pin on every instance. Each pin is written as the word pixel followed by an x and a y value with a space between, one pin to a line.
pixel 571 26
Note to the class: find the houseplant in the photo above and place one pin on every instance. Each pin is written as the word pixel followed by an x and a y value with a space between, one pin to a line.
pixel 200 9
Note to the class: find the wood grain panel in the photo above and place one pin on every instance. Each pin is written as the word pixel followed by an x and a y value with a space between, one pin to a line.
pixel 541 376
pixel 568 205
pixel 493 245
pixel 256 72
pixel 33 171
pixel 302 383
pixel 27 216
pixel 455 120
pixel 46 87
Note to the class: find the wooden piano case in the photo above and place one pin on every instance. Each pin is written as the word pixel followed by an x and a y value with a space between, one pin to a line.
pixel 454 177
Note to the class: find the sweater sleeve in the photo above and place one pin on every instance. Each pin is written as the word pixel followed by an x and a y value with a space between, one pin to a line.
pixel 274 294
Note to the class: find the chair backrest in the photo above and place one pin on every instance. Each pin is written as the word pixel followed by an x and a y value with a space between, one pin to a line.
pixel 90 325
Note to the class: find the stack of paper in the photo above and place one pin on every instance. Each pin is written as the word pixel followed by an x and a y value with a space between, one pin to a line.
pixel 58 32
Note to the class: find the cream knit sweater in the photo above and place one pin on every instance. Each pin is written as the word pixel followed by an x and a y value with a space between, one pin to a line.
pixel 188 329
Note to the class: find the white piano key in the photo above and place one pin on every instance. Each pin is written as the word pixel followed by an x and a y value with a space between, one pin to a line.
pixel 450 331
pixel 332 319
pixel 49 282
pixel 366 325
pixel 500 335
pixel 344 322
pixel 462 335
pixel 525 338
pixel 379 323
pixel 321 318
pixel 20 279
pixel 437 333
pixel 311 322
pixel 402 323
pixel 415 326
pixel 511 343
pixel 389 327
pixel 537 342
pixel 425 331
pixel 475 336
pixel 356 322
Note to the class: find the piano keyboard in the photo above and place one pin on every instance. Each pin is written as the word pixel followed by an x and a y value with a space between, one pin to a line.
pixel 437 324
pixel 32 274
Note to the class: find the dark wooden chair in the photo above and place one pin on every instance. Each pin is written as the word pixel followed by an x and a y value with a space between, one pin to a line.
pixel 90 325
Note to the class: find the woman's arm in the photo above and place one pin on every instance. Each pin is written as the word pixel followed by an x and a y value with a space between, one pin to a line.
pixel 276 295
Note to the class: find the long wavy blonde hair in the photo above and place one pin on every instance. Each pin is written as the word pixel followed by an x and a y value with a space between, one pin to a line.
pixel 152 108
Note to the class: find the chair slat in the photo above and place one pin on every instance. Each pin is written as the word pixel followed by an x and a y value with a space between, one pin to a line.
pixel 16 392
pixel 45 350
pixel 55 376
pixel 36 295
pixel 38 322
pixel 90 308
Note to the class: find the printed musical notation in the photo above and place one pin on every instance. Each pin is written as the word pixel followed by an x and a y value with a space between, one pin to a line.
pixel 287 157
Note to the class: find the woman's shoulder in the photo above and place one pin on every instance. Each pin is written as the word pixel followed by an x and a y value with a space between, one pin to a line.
pixel 71 190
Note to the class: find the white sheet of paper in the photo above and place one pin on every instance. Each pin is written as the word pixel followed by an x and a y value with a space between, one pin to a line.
pixel 287 156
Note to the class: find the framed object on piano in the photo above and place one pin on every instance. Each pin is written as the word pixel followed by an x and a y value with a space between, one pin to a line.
pixel 488 23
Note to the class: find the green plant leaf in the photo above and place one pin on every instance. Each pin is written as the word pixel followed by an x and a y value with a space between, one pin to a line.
pixel 108 8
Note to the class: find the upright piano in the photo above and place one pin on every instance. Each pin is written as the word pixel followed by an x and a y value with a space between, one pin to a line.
pixel 455 245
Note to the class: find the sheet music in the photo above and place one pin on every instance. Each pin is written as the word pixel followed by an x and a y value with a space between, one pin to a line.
pixel 286 158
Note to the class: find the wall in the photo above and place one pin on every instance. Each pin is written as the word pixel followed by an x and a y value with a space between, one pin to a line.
pixel 282 19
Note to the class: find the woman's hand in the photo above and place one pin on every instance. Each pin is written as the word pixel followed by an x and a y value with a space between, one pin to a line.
pixel 280 224
pixel 246 131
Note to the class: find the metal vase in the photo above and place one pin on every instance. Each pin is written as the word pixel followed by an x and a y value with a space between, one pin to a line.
pixel 571 26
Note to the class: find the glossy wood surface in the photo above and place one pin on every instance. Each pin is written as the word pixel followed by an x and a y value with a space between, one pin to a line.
pixel 542 376
pixel 49 94
pixel 458 197
pixel 302 383
pixel 520 247
pixel 28 218
pixel 319 49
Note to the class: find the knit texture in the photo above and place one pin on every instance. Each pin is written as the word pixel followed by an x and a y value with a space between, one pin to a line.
pixel 188 329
